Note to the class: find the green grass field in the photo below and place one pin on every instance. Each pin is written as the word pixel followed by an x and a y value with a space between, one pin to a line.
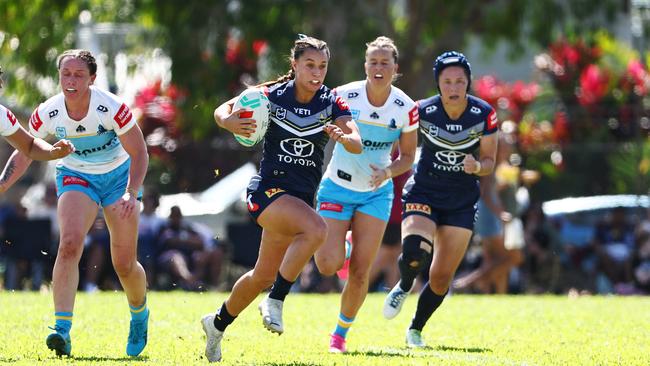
pixel 466 330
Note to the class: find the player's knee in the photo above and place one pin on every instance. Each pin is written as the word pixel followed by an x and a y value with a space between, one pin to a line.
pixel 70 246
pixel 123 266
pixel 415 251
pixel 326 265
pixel 358 276
pixel 317 232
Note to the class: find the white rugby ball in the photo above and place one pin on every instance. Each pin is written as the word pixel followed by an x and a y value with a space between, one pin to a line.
pixel 257 107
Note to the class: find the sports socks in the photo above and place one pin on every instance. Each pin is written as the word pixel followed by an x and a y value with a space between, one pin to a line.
pixel 280 289
pixel 222 318
pixel 343 325
pixel 428 302
pixel 63 321
pixel 139 312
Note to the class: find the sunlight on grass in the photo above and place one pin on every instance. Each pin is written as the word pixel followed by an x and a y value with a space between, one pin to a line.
pixel 467 330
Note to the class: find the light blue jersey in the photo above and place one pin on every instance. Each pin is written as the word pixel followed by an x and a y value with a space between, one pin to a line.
pixel 379 128
pixel 97 147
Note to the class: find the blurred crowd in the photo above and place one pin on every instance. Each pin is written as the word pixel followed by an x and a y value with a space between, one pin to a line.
pixel 516 248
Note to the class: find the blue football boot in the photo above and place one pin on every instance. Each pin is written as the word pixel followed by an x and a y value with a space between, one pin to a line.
pixel 137 336
pixel 59 341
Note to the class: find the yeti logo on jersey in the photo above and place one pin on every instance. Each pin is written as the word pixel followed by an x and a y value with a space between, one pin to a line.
pixel 352 95
pixel 374 115
pixel 280 113
pixel 433 130
pixel 475 110
pixel 123 116
pixel 101 130
pixel 60 133
pixel 399 102
pixel 297 151
pixel 81 129
pixel 102 109
pixel 53 113
pixel 430 109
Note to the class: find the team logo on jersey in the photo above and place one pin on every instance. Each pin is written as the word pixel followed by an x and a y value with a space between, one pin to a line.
pixel 343 105
pixel 69 180
pixel 475 110
pixel 329 206
pixel 123 116
pixel 102 109
pixel 101 130
pixel 450 157
pixel 280 113
pixel 418 207
pixel 10 116
pixel 473 134
pixel 273 191
pixel 355 113
pixel 399 102
pixel 352 95
pixel 322 119
pixel 430 109
pixel 492 119
pixel 81 129
pixel 374 115
pixel 433 130
pixel 60 132
pixel 393 124
pixel 35 121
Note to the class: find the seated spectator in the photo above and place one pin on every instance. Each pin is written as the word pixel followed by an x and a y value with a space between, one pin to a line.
pixel 148 233
pixel 97 272
pixel 543 252
pixel 26 243
pixel 184 253
pixel 641 261
pixel 614 245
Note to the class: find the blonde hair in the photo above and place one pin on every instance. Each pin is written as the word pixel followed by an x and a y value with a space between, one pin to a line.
pixel 302 44
pixel 385 43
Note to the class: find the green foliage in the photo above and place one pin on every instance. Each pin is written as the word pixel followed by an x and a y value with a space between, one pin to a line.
pixel 466 330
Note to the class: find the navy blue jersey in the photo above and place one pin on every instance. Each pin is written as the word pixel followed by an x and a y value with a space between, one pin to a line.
pixel 294 142
pixel 446 142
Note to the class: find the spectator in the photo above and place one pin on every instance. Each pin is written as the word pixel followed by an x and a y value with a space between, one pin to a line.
pixel 614 245
pixel 148 231
pixel 185 255
pixel 641 262
pixel 543 252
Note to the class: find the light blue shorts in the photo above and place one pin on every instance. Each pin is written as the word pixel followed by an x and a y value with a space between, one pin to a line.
pixel 336 202
pixel 105 189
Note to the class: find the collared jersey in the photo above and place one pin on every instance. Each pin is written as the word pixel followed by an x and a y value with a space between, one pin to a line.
pixel 294 142
pixel 379 128
pixel 97 147
pixel 8 122
pixel 446 142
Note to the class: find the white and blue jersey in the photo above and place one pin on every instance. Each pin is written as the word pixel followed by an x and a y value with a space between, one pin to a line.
pixel 8 122
pixel 99 167
pixel 97 147
pixel 346 187
pixel 379 128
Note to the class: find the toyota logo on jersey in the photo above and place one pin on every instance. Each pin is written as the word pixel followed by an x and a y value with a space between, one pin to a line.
pixel 297 150
pixel 450 157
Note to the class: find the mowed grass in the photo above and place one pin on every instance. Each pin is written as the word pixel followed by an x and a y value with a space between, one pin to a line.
pixel 466 330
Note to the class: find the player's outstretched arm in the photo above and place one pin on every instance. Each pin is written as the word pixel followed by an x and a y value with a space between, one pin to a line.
pixel 38 149
pixel 13 170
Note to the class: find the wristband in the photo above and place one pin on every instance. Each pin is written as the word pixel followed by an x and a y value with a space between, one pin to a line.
pixel 132 191
pixel 478 167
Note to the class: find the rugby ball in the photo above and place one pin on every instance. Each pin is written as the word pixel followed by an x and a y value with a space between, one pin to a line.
pixel 256 105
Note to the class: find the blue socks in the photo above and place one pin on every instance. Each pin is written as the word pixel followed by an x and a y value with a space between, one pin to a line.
pixel 63 321
pixel 140 312
pixel 343 325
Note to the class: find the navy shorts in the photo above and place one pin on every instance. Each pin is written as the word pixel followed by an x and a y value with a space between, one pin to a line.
pixel 445 206
pixel 260 194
